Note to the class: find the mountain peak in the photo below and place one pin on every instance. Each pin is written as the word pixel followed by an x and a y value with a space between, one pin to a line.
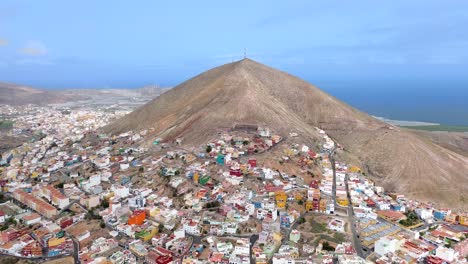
pixel 248 92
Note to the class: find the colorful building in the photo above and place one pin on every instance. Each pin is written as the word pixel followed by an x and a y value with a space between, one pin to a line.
pixel 137 218
pixel 281 199
pixel 463 219
pixel 343 201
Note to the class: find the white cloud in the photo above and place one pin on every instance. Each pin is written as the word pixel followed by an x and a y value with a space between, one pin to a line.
pixel 441 59
pixel 34 61
pixel 34 48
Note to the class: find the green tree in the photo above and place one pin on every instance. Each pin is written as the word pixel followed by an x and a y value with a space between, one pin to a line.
pixel 105 203
pixel 338 237
pixel 327 247
pixel 208 149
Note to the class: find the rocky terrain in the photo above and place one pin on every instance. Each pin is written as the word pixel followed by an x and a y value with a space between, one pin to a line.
pixel 247 92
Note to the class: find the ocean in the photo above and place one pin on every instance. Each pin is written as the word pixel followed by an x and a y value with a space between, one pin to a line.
pixel 443 102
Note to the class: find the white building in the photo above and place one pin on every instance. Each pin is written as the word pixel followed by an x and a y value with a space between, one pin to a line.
pixel 278 259
pixel 191 227
pixel 242 247
pixel 121 191
pixel 447 254
pixel 386 245
pixel 425 214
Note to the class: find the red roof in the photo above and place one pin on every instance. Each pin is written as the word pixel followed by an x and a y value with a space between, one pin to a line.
pixel 163 251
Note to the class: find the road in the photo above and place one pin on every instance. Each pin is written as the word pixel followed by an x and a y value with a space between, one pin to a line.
pixel 76 250
pixel 352 223
pixel 35 259
pixel 332 161
pixel 351 218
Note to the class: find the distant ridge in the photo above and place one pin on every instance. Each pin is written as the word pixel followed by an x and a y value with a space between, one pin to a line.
pixel 247 92
pixel 14 94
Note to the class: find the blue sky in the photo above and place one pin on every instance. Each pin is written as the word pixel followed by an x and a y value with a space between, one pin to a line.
pixel 62 44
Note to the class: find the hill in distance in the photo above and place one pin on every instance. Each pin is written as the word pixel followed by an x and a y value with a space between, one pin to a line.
pixel 14 94
pixel 247 92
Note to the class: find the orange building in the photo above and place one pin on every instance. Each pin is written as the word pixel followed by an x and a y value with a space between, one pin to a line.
pixel 137 218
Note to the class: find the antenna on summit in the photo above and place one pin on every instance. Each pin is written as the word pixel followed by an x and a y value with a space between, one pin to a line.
pixel 245 53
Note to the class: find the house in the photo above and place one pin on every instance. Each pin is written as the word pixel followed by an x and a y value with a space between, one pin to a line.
pixel 447 254
pixel 90 201
pixel 463 219
pixel 281 199
pixel 336 225
pixel 53 195
pixel 294 236
pixel 191 227
pixel 35 203
pixel 386 245
pixel 137 218
pixel 31 219
pixel 66 222
pixel 2 217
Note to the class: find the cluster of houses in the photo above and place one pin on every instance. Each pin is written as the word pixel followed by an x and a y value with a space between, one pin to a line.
pixel 121 199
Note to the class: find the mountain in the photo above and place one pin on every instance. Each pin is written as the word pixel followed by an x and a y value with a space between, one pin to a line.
pixel 14 94
pixel 247 92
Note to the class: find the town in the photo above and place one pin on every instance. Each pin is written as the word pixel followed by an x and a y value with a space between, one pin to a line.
pixel 249 195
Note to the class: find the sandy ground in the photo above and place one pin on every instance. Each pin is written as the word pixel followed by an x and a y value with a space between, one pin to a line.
pixel 67 260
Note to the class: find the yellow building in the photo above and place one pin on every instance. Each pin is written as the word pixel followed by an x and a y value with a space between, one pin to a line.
pixel 298 196
pixel 309 206
pixel 148 234
pixel 277 236
pixel 289 152
pixel 281 199
pixel 323 205
pixel 463 219
pixel 55 241
pixel 343 201
pixel 355 169
pixel 196 176
pixel 154 211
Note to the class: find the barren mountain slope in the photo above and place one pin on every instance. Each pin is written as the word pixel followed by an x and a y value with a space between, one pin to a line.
pixel 455 141
pixel 246 92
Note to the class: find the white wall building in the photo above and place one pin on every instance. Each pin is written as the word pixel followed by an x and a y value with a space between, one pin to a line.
pixel 386 245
